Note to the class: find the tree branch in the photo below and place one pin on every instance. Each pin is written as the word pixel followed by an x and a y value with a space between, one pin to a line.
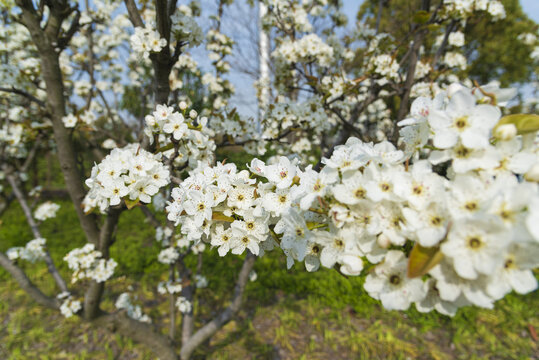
pixel 23 93
pixel 35 229
pixel 52 75
pixel 410 74
pixel 92 297
pixel 26 284
pixel 211 328
pixel 134 14
pixel 141 332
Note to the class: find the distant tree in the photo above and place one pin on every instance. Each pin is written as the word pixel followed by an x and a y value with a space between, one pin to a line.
pixel 492 48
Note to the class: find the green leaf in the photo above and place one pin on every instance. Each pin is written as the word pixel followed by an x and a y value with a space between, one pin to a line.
pixel 221 217
pixel 165 148
pixel 421 17
pixel 525 123
pixel 130 203
pixel 422 259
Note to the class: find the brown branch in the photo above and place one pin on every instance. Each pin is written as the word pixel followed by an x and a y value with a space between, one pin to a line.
pixel 218 322
pixel 92 297
pixel 73 28
pixel 443 45
pixel 23 93
pixel 410 74
pixel 5 205
pixel 134 14
pixel 172 307
pixel 35 229
pixel 150 216
pixel 31 154
pixel 26 284
pixel 141 332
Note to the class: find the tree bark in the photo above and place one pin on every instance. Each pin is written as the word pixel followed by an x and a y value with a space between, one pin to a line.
pixel 45 40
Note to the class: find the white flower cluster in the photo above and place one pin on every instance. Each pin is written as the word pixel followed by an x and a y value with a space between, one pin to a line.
pixel 133 311
pixel 528 38
pixel 45 211
pixel 33 251
pixel 465 7
pixel 231 193
pixel 309 48
pixel 169 287
pixel 128 172
pixel 284 115
pixel 455 59
pixel 201 281
pixel 194 143
pixel 146 40
pixel 87 117
pixel 385 65
pixel 69 306
pixel 185 29
pixel 12 138
pixel 168 256
pixel 219 46
pixel 184 305
pixel 292 15
pixel 456 38
pixel 480 215
pixel 87 263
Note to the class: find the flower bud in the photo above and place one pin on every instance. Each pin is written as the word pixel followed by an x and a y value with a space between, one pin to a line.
pixel 193 114
pixel 383 241
pixel 183 105
pixel 533 173
pixel 150 120
pixel 505 132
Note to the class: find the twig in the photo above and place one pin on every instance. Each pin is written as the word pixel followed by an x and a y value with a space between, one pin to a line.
pixel 23 93
pixel 226 315
pixel 26 284
pixel 35 230
pixel 134 14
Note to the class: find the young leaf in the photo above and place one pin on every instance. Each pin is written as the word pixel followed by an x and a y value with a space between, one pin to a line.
pixel 525 123
pixel 130 203
pixel 422 259
pixel 221 217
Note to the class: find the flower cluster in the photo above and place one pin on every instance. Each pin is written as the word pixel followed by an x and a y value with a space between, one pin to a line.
pixel 308 48
pixel 465 7
pixel 385 66
pixel 168 256
pixel 146 40
pixel 230 193
pixel 69 306
pixel 12 138
pixel 371 203
pixel 184 305
pixel 219 46
pixel 169 287
pixel 87 263
pixel 33 251
pixel 133 311
pixel 185 28
pixel 130 172
pixel 188 138
pixel 46 211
